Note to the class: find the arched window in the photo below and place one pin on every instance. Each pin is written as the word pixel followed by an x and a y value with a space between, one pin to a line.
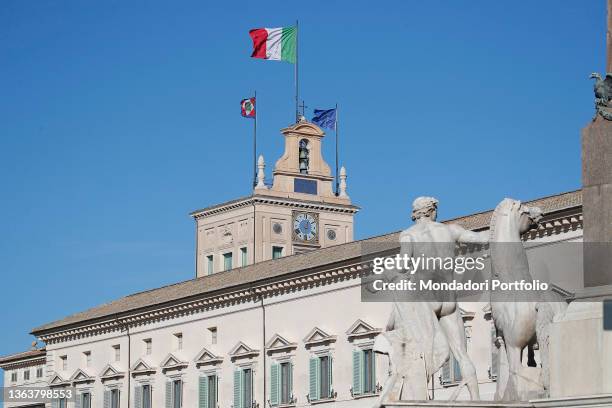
pixel 304 156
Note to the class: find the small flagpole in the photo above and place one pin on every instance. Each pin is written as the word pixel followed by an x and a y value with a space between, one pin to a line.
pixel 255 140
pixel 336 126
pixel 296 72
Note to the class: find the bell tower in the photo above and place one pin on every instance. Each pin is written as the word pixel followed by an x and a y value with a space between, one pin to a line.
pixel 298 212
pixel 301 172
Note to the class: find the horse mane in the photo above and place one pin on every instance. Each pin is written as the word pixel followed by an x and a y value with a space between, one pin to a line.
pixel 501 208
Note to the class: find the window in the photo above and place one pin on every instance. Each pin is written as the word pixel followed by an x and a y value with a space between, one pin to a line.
pixel 364 372
pixel 277 252
pixel 179 340
pixel 451 372
pixel 320 371
pixel 227 261
pixel 210 269
pixel 243 256
pixel 243 388
pixel 493 371
pixel 117 352
pixel 148 343
pixel 304 156
pixel 85 400
pixel 146 396
pixel 63 403
pixel 87 358
pixel 208 394
pixel 39 372
pixel 114 398
pixel 64 362
pixel 14 376
pixel 281 387
pixel 213 335
pixel 177 393
pixel 26 375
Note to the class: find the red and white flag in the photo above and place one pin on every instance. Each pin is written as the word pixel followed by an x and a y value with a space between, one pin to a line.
pixel 247 107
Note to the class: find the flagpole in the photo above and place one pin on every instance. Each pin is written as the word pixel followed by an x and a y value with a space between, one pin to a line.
pixel 336 126
pixel 255 141
pixel 296 72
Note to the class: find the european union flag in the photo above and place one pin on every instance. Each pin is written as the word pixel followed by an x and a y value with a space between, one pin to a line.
pixel 325 118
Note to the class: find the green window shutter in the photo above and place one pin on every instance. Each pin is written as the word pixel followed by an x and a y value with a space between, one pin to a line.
pixel 107 398
pixel 138 396
pixel 314 379
pixel 374 382
pixel 274 384
pixel 357 363
pixel 238 389
pixel 331 378
pixel 203 392
pixel 290 379
pixel 456 370
pixel 168 394
pixel 494 353
pixel 78 400
pixel 446 371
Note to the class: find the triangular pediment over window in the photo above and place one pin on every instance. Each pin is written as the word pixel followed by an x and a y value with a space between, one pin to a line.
pixel 207 357
pixel 58 381
pixel 80 376
pixel 279 343
pixel 142 367
pixel 109 372
pixel 318 336
pixel 362 329
pixel 173 362
pixel 466 315
pixel 241 350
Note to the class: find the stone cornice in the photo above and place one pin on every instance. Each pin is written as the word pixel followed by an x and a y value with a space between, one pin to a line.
pixel 271 200
pixel 342 271
pixel 30 362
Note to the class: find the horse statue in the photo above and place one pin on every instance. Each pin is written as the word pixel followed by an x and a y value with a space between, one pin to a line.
pixel 519 323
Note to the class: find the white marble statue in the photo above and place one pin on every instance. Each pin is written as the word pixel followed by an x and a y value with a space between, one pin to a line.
pixel 438 324
pixel 521 322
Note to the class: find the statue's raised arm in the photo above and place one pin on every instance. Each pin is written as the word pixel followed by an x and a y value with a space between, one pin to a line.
pixel 464 236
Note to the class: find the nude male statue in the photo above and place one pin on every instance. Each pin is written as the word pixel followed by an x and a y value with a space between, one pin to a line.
pixel 430 238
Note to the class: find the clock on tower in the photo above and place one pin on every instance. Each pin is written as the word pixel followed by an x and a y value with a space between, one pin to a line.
pixel 305 227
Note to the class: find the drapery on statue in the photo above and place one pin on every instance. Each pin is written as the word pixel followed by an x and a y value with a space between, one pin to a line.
pixel 427 327
pixel 522 322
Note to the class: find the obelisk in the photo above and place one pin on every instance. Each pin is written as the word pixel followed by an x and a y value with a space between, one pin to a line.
pixel 580 349
pixel 597 187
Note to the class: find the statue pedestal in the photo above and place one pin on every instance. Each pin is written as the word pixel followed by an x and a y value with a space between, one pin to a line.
pixel 580 350
pixel 597 202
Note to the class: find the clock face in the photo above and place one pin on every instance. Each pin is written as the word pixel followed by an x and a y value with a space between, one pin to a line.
pixel 305 227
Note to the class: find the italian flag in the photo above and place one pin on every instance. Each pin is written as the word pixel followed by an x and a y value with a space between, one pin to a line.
pixel 276 44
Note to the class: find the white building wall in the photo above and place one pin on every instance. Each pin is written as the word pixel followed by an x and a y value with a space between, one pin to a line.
pixel 332 308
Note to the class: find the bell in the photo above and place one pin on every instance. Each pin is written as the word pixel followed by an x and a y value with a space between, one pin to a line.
pixel 303 154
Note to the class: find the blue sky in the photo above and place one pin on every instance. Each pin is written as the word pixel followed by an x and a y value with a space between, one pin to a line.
pixel 119 118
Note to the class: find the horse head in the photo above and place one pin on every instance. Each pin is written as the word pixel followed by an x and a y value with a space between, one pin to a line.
pixel 530 218
pixel 511 219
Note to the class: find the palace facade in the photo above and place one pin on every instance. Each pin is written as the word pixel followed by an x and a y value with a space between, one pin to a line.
pixel 274 316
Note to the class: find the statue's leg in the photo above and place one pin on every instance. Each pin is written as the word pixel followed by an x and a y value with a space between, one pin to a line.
pixel 502 371
pixel 514 367
pixel 455 333
pixel 544 318
pixel 390 393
